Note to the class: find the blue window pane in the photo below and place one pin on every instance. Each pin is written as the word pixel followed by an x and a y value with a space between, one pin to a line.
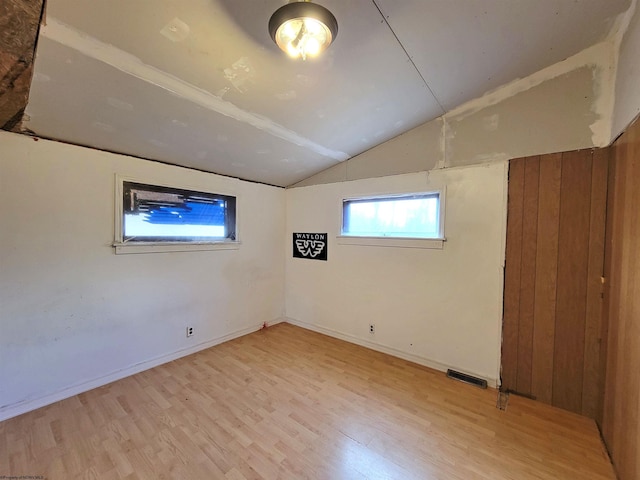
pixel 154 213
pixel 189 213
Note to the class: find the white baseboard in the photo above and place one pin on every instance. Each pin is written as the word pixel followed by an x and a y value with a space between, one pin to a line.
pixel 25 406
pixel 420 360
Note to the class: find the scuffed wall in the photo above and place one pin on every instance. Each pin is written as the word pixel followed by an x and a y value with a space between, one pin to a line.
pixel 73 315
pixel 437 307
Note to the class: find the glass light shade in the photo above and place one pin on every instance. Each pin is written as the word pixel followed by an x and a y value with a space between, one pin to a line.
pixel 302 37
pixel 303 29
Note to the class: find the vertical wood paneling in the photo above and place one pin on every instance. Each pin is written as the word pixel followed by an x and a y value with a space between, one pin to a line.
pixel 593 316
pixel 613 269
pixel 630 347
pixel 621 416
pixel 573 255
pixel 546 277
pixel 554 263
pixel 512 275
pixel 622 313
pixel 528 273
pixel 608 295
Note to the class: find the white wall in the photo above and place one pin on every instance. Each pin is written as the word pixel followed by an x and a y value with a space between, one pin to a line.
pixel 627 102
pixel 73 315
pixel 441 308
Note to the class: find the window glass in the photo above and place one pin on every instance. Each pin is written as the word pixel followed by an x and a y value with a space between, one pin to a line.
pixel 410 216
pixel 163 214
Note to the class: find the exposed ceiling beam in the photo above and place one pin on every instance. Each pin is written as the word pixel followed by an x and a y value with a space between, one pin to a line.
pixel 19 23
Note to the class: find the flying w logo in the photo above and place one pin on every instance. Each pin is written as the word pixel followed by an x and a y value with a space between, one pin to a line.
pixel 310 245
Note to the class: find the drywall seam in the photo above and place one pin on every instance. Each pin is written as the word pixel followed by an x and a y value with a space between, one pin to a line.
pixel 13 410
pixel 604 80
pixel 603 90
pixel 131 65
pixel 588 57
pixel 442 161
pixel 621 24
pixel 503 259
pixel 420 360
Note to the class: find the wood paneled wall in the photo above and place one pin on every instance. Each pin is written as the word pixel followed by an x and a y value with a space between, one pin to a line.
pixel 620 416
pixel 553 288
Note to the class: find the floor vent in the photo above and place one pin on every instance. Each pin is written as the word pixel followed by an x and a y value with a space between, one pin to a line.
pixel 463 377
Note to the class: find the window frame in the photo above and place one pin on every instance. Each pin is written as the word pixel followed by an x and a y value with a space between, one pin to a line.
pixel 394 241
pixel 123 246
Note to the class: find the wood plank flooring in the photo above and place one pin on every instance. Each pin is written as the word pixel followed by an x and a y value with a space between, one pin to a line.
pixel 288 403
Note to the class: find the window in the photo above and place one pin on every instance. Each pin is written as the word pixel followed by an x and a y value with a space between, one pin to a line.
pixel 403 217
pixel 159 215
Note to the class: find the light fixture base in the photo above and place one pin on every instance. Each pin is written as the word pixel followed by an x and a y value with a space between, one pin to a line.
pixel 303 29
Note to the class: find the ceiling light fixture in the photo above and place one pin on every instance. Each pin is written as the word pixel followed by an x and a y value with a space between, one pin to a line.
pixel 303 29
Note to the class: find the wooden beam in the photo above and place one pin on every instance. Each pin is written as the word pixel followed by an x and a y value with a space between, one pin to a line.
pixel 19 24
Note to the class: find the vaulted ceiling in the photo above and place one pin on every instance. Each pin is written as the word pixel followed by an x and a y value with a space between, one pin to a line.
pixel 199 83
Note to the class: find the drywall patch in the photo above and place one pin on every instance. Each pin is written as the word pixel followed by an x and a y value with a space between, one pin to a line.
pixel 442 143
pixel 41 77
pixel 119 104
pixel 157 143
pixel 176 30
pixel 448 134
pixel 289 95
pixel 603 101
pixel 63 34
pixel 179 123
pixel 490 122
pixel 621 24
pixel 105 127
pixel 240 74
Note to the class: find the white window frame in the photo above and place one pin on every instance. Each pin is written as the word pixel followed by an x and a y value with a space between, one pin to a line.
pixel 399 242
pixel 123 247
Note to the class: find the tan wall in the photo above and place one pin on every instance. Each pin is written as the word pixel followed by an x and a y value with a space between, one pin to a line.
pixel 567 106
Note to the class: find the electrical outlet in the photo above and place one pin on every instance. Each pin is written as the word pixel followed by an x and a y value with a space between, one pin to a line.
pixel 189 331
pixel 372 328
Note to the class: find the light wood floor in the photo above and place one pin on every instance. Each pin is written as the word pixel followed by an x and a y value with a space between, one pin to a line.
pixel 289 403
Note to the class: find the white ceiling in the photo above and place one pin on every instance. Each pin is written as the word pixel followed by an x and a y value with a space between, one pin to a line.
pixel 199 83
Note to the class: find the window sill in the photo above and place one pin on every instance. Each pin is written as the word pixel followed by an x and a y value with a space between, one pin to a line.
pixel 398 242
pixel 165 247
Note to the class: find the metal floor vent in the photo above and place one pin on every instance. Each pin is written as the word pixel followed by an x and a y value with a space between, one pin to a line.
pixel 463 377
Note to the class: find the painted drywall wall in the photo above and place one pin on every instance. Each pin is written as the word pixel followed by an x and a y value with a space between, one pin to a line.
pixel 438 307
pixel 566 106
pixel 74 315
pixel 627 92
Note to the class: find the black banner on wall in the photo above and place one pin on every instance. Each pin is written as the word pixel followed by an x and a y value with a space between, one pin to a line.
pixel 312 246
